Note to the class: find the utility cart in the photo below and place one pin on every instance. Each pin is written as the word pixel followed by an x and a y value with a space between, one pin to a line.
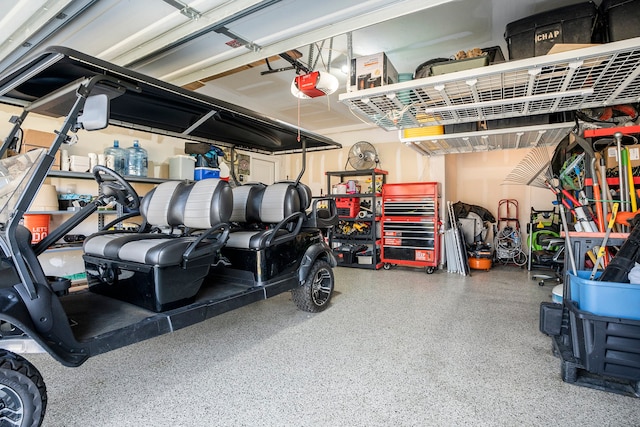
pixel 410 225
pixel 507 234
pixel 203 248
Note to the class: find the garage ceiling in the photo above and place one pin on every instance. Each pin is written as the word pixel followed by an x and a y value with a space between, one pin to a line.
pixel 219 46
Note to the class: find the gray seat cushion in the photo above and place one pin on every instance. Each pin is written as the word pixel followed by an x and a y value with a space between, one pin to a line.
pixel 269 207
pixel 201 206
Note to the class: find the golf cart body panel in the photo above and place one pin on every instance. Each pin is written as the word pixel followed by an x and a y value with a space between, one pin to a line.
pixel 134 301
pixel 142 102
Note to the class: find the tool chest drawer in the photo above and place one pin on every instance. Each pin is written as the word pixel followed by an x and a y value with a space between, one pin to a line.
pixel 409 254
pixel 409 206
pixel 409 234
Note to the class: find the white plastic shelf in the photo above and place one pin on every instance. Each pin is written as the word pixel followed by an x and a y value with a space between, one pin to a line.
pixel 597 76
pixel 488 140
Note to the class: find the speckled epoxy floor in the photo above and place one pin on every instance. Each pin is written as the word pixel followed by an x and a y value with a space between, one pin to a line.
pixel 395 348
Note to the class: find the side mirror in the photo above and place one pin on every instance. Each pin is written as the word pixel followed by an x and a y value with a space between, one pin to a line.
pixel 95 115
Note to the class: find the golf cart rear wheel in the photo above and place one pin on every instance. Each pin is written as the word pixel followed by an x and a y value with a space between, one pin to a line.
pixel 316 292
pixel 23 395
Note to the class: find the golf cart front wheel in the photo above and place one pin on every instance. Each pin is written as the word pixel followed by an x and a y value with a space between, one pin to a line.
pixel 23 395
pixel 316 292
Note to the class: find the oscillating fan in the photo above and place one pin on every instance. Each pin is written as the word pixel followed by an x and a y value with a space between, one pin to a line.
pixel 362 155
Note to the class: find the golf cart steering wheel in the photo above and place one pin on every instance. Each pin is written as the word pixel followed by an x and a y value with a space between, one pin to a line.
pixel 119 188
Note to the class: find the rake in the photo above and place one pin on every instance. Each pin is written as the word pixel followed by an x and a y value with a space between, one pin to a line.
pixel 534 169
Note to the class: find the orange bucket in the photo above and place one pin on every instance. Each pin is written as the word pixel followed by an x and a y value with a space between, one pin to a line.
pixel 38 225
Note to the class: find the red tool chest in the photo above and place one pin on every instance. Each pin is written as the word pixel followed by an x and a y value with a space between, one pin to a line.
pixel 410 225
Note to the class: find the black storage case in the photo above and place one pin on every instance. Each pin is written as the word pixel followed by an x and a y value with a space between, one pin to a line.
pixel 606 345
pixel 346 254
pixel 535 35
pixel 621 18
pixel 595 351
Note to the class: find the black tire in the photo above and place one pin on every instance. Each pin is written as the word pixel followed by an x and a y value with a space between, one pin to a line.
pixel 315 294
pixel 23 395
pixel 430 270
pixel 386 266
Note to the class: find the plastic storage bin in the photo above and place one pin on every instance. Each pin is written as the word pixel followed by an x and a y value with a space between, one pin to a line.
pixel 205 172
pixel 606 345
pixel 346 254
pixel 181 167
pixel 535 35
pixel 621 19
pixel 348 207
pixel 605 298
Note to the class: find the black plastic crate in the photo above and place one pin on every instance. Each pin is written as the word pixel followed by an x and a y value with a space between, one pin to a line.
pixel 606 345
pixel 535 35
pixel 621 19
pixel 346 254
pixel 534 120
pixel 595 351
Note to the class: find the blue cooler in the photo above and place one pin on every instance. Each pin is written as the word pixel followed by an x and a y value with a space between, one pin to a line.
pixel 205 172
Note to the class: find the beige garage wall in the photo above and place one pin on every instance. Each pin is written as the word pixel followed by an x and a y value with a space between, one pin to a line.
pixel 479 178
pixel 474 178
pixel 159 148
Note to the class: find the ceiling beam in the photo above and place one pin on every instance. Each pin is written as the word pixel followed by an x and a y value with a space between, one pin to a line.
pixel 218 64
pixel 133 50
pixel 294 54
pixel 33 23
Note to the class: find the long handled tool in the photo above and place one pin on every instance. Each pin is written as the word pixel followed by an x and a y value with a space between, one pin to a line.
pixel 598 197
pixel 632 187
pixel 572 177
pixel 567 243
pixel 603 246
pixel 604 192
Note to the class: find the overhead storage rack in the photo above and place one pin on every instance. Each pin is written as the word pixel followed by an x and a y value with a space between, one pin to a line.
pixel 592 77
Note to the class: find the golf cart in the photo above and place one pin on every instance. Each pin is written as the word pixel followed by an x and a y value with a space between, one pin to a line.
pixel 203 247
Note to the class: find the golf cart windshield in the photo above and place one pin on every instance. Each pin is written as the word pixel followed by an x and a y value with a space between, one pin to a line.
pixel 15 173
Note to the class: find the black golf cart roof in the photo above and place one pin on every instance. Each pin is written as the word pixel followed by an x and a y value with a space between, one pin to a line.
pixel 155 106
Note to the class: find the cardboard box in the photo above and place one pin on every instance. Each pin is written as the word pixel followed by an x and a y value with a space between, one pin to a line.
pixel 372 71
pixel 566 47
pixel 37 139
pixel 611 154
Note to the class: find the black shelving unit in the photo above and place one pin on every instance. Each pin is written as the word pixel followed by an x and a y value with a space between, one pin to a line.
pixel 89 177
pixel 343 244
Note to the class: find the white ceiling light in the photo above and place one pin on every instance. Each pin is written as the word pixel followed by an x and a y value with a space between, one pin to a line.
pixel 314 84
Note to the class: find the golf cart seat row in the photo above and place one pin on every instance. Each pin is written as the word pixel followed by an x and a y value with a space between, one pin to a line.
pixel 258 204
pixel 164 269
